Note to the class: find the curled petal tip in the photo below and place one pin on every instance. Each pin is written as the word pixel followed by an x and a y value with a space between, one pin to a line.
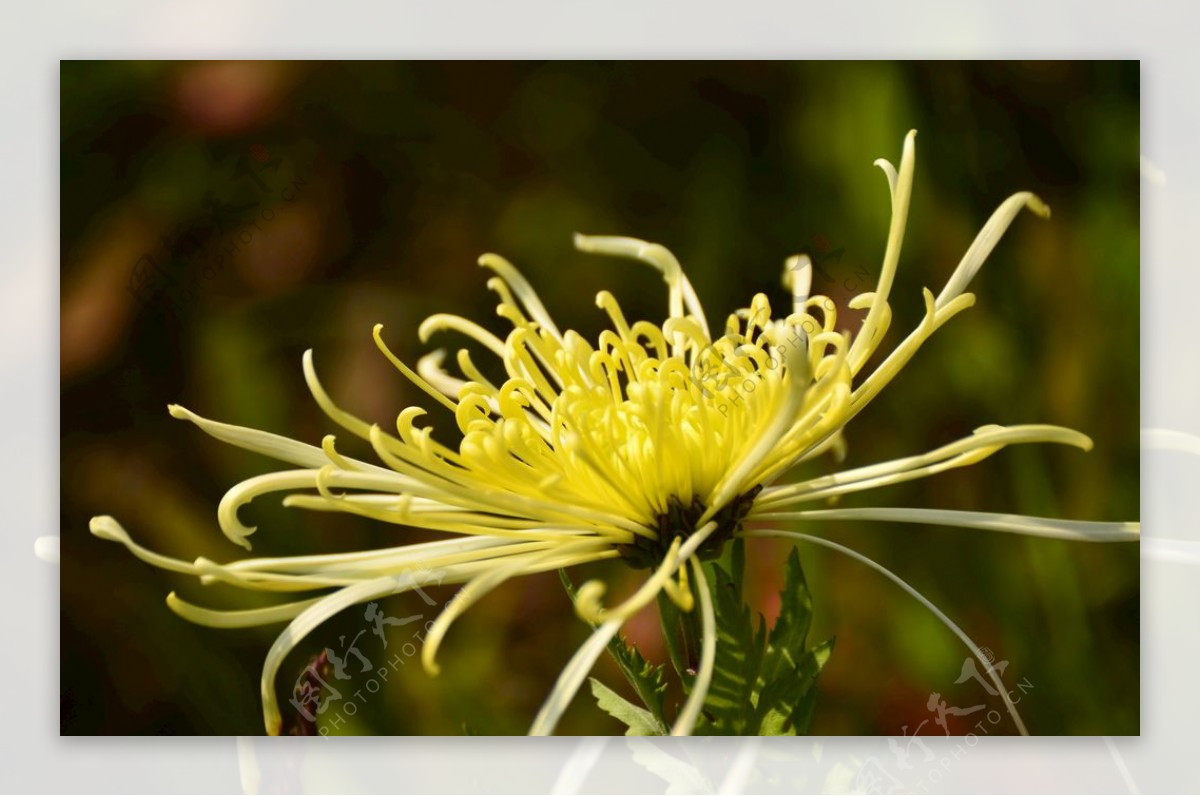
pixel 1077 439
pixel 584 243
pixel 587 601
pixel 178 412
pixel 177 606
pixel 107 528
pixel 427 328
pixel 429 663
pixel 1037 206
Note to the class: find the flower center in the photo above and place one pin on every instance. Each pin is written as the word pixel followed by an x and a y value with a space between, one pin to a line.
pixel 680 521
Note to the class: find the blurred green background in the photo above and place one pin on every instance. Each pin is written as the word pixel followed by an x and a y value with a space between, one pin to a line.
pixel 220 218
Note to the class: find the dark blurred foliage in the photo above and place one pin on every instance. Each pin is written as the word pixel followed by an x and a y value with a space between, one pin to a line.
pixel 219 218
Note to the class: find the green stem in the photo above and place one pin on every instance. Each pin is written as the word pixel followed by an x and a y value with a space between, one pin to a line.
pixel 690 624
pixel 669 615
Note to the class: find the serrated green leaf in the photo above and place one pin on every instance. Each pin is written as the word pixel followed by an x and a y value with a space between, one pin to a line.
pixel 795 617
pixel 789 672
pixel 763 683
pixel 648 680
pixel 728 707
pixel 786 704
pixel 638 721
pixel 802 715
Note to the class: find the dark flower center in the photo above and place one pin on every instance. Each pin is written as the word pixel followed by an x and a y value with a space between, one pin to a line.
pixel 680 521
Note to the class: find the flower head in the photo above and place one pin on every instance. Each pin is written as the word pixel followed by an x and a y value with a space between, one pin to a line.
pixel 654 444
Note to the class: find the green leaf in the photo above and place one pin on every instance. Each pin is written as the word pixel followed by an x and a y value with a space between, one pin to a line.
pixel 737 562
pixel 789 672
pixel 728 707
pixel 670 617
pixel 795 617
pixel 647 679
pixel 763 683
pixel 786 704
pixel 638 721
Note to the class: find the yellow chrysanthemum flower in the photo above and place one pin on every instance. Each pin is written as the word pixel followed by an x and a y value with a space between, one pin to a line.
pixel 656 445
